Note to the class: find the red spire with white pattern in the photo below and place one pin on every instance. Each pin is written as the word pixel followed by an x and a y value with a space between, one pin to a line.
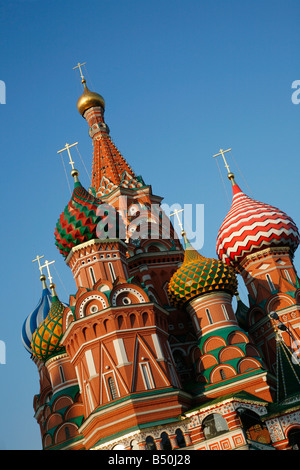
pixel 251 226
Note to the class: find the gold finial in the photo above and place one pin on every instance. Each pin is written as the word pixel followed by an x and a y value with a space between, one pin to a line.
pixel 74 172
pixel 176 212
pixel 230 175
pixel 89 98
pixel 52 287
pixel 43 279
pixel 78 66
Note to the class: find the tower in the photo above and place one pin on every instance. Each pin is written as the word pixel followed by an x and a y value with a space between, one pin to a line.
pixel 58 408
pixel 224 358
pixel 259 241
pixel 110 344
pixel 149 352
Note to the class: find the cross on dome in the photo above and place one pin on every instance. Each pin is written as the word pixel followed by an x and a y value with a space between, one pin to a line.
pixel 222 153
pixel 67 147
pixel 39 263
pixel 78 66
pixel 46 265
pixel 229 174
pixel 176 212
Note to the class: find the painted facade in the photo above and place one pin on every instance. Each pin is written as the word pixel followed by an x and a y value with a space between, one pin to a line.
pixel 149 352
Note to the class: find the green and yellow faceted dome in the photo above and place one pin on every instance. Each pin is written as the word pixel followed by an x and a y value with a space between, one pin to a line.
pixel 199 275
pixel 46 339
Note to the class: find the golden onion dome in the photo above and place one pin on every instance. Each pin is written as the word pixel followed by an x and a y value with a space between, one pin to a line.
pixel 89 99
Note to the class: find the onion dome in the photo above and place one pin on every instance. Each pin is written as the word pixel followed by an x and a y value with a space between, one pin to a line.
pixel 46 339
pixel 89 99
pixel 251 226
pixel 77 224
pixel 199 275
pixel 80 223
pixel 36 317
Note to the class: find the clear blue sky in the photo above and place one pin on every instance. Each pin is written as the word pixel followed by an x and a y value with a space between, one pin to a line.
pixel 181 79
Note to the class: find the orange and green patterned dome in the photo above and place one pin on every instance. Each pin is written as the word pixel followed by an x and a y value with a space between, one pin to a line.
pixel 46 339
pixel 199 275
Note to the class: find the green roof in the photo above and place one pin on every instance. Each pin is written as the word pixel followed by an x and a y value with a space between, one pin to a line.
pixel 288 372
pixel 239 396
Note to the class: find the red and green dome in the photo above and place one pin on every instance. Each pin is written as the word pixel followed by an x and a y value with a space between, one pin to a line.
pixel 199 275
pixel 79 222
pixel 46 339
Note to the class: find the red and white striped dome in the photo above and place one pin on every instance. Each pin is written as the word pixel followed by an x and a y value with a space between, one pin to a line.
pixel 251 226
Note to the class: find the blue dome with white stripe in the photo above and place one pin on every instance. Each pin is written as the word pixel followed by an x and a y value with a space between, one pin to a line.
pixel 38 315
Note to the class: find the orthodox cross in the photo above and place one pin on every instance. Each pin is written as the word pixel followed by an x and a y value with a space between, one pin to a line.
pixel 67 147
pixel 46 265
pixel 78 66
pixel 38 260
pixel 222 153
pixel 176 212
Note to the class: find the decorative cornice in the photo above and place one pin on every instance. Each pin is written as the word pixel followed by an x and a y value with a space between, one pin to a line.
pixel 92 242
pixel 56 358
pixel 262 254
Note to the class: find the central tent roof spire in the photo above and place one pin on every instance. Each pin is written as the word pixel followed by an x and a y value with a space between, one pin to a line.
pixel 110 169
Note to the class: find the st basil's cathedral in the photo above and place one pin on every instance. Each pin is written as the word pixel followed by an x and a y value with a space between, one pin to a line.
pixel 149 353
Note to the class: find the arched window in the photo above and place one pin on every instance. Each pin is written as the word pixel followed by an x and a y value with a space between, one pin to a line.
pixel 270 282
pixel 118 447
pixel 148 380
pixel 134 445
pixel 92 274
pixel 120 321
pixel 287 275
pixel 112 272
pixel 225 312
pixel 209 317
pixel 180 438
pixel 255 429
pixel 165 441
pixel 294 438
pixel 112 388
pixel 62 375
pixel 150 444
pixel 145 318
pixel 214 425
pixel 133 320
pixel 222 374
